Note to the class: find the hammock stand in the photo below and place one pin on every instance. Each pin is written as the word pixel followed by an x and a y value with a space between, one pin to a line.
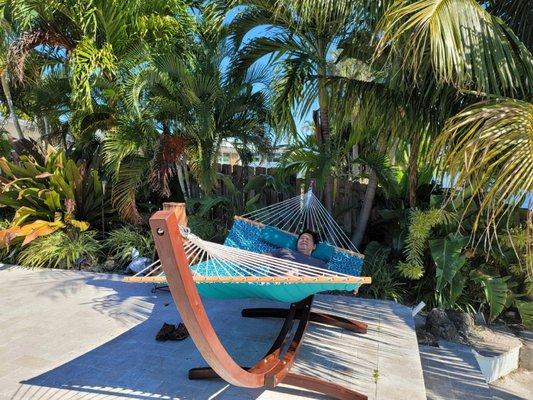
pixel 273 368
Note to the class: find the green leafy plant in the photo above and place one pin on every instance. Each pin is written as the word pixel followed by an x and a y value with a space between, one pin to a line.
pixel 208 229
pixel 4 251
pixel 63 249
pixel 421 223
pixel 525 308
pixel 120 243
pixel 447 253
pixel 5 146
pixel 223 207
pixel 48 192
pixel 386 282
pixel 496 292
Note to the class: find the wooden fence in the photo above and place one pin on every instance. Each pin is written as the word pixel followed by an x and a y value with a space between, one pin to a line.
pixel 347 202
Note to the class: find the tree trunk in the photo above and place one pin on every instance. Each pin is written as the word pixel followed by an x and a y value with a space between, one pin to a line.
pixel 413 170
pixel 356 169
pixel 181 180
pixel 324 133
pixel 187 179
pixel 364 214
pixel 12 113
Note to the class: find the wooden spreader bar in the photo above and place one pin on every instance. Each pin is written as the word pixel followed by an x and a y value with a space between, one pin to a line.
pixel 272 369
pixel 258 279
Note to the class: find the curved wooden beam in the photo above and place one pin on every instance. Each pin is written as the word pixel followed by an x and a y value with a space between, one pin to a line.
pixel 164 226
pixel 269 371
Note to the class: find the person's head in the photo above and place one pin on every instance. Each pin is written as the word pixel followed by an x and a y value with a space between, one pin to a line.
pixel 307 241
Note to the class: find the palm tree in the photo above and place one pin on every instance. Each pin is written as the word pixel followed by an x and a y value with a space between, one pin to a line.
pixel 94 37
pixel 192 103
pixel 462 44
pixel 300 41
pixel 4 77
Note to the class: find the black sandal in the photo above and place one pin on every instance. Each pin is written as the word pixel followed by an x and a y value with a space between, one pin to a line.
pixel 179 333
pixel 163 333
pixel 172 332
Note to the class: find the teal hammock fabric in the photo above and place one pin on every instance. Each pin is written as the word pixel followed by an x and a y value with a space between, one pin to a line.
pixel 247 237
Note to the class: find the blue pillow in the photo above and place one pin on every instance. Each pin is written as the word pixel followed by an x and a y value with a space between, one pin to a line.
pixel 278 238
pixel 323 251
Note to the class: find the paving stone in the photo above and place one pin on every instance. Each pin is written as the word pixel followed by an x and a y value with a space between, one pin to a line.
pixel 94 339
pixel 451 372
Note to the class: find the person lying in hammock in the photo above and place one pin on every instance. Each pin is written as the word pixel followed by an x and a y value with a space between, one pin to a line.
pixel 307 241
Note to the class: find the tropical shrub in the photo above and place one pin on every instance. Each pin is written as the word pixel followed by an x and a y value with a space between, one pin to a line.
pixel 445 266
pixel 120 243
pixel 214 230
pixel 70 249
pixel 48 192
pixel 221 208
pixel 386 280
pixel 4 251
pixel 5 146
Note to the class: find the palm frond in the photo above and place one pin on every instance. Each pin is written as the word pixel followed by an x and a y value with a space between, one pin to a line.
pixel 518 14
pixel 461 42
pixel 489 147
pixel 130 177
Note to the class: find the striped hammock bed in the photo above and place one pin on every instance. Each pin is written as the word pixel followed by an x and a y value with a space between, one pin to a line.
pixel 239 268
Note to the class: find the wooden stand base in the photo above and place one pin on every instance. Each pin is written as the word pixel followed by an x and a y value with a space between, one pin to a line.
pixel 321 318
pixel 274 367
pixel 297 311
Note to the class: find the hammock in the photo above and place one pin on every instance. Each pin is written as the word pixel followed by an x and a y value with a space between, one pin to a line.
pixel 239 269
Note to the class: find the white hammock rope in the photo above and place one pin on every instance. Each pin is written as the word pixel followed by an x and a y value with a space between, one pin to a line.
pixel 230 264
pixel 303 212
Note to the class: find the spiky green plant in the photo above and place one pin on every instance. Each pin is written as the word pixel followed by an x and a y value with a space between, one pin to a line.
pixel 120 243
pixel 421 223
pixel 62 249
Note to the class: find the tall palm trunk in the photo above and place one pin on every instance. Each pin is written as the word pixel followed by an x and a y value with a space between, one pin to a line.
pixel 364 214
pixel 12 113
pixel 325 133
pixel 413 170
pixel 181 180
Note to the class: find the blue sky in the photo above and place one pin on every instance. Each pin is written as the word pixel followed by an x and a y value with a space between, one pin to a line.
pixel 264 31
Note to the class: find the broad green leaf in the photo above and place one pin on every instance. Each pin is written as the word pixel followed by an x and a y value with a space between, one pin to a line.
pixel 59 184
pixel 52 200
pixel 446 254
pixel 72 174
pixel 9 201
pixel 209 202
pixel 525 308
pixel 496 292
pixel 252 204
pixel 456 288
pixel 22 214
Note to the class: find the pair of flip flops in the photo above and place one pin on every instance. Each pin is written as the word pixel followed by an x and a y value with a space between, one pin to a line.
pixel 172 332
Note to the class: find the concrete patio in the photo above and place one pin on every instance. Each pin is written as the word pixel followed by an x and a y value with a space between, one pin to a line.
pixel 78 335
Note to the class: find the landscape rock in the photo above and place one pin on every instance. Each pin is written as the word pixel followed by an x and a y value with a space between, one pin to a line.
pixel 479 319
pixel 439 324
pixel 426 338
pixel 463 322
pixel 420 321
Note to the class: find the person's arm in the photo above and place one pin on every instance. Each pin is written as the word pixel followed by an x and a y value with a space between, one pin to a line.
pixel 273 253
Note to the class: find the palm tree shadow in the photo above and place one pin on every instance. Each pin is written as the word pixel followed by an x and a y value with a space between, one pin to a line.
pixel 134 365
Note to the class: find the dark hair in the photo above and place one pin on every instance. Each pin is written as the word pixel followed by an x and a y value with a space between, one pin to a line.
pixel 316 239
